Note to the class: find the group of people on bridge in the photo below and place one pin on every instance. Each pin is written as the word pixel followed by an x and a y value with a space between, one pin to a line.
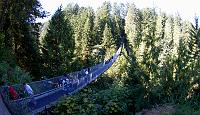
pixel 15 95
pixel 31 93
pixel 67 82
pixel 63 82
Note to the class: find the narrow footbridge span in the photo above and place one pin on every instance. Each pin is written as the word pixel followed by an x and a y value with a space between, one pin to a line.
pixel 47 93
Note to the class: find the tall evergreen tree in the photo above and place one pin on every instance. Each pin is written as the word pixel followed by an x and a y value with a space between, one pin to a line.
pixel 133 26
pixel 21 32
pixel 102 17
pixel 58 45
pixel 168 39
pixel 109 45
pixel 108 40
pixel 160 26
pixel 133 29
pixel 117 24
pixel 177 34
pixel 194 53
pixel 150 51
pixel 80 21
pixel 83 34
pixel 87 37
pixel 194 42
pixel 160 34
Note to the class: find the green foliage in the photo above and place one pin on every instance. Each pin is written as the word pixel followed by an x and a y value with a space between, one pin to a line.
pixel 102 17
pixel 164 55
pixel 7 56
pixel 186 109
pixel 158 64
pixel 20 32
pixel 19 76
pixel 118 22
pixel 133 26
pixel 108 42
pixel 83 35
pixel 82 21
pixel 3 68
pixel 58 45
pixel 1 40
pixel 116 99
pixel 9 72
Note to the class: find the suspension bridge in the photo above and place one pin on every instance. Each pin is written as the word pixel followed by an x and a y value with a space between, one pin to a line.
pixel 47 92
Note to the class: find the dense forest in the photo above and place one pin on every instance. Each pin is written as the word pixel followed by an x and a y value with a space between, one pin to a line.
pixel 159 63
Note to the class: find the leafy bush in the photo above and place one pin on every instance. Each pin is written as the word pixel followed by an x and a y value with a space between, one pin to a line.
pixel 116 99
pixel 9 72
pixel 186 109
pixel 17 74
pixel 1 39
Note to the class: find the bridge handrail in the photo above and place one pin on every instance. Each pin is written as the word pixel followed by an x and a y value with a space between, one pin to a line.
pixel 94 71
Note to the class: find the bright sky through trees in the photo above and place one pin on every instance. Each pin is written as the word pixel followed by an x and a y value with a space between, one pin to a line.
pixel 186 8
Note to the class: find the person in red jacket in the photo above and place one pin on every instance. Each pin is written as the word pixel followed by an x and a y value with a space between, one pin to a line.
pixel 12 92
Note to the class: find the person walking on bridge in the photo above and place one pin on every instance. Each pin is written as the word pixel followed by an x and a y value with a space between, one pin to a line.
pixel 13 92
pixel 28 89
pixel 63 83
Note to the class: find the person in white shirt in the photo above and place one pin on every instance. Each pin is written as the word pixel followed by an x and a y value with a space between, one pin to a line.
pixel 86 72
pixel 63 84
pixel 28 89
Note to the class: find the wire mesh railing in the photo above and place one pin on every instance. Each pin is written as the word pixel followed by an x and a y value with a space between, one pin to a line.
pixel 74 82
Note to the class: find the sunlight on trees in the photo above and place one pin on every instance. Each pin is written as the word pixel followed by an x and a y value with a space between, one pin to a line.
pixel 159 63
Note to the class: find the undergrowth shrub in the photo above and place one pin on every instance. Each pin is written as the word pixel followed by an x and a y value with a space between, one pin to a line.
pixel 116 99
pixel 9 72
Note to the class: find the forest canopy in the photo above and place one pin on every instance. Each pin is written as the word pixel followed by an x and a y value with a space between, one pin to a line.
pixel 159 63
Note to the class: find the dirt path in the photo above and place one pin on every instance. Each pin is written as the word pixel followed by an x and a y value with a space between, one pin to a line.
pixel 3 109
